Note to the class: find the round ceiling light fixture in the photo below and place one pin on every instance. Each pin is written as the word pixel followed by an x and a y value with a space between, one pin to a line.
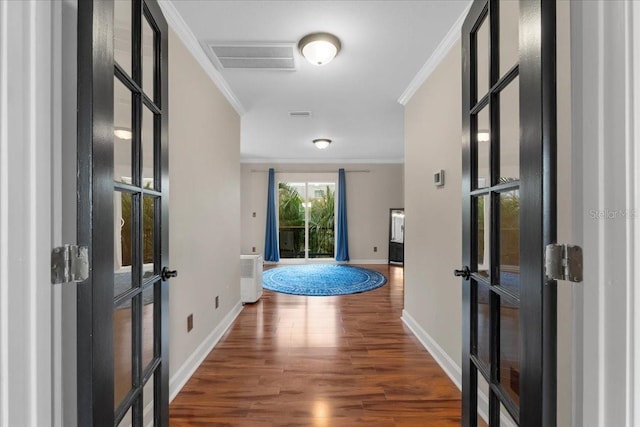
pixel 319 48
pixel 321 143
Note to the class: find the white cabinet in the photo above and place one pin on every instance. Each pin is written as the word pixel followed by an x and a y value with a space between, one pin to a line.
pixel 251 278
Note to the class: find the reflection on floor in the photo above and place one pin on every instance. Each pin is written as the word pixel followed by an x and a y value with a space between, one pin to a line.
pixel 320 361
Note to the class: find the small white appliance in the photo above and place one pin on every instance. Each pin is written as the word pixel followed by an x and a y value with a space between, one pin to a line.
pixel 251 278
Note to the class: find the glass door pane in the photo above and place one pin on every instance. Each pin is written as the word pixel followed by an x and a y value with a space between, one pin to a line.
pixel 122 132
pixel 510 241
pixel 483 46
pixel 306 213
pixel 291 219
pixel 122 358
pixel 510 349
pixel 123 242
pixel 321 205
pixel 122 34
pixel 509 15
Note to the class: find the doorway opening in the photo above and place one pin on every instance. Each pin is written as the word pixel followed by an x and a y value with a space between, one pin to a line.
pixel 306 220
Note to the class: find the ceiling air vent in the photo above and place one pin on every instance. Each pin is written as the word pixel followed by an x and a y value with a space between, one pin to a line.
pixel 252 55
pixel 300 113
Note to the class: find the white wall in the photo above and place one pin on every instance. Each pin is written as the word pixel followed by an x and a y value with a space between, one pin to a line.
pixel 370 195
pixel 204 221
pixel 433 215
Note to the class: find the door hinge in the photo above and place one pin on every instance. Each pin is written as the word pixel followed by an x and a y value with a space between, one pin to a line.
pixel 563 262
pixel 69 263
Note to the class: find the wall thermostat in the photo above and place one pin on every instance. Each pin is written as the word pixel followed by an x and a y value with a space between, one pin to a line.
pixel 438 178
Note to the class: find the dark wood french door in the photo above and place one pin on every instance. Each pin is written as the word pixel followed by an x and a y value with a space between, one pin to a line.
pixel 509 208
pixel 123 213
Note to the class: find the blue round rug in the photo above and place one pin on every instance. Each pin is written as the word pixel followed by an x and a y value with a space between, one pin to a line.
pixel 321 279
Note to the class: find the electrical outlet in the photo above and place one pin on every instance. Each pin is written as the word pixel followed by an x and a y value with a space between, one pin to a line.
pixel 254 215
pixel 189 322
pixel 217 301
pixel 253 249
pixel 375 249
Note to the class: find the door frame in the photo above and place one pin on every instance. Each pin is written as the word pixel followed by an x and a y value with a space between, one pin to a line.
pixel 307 178
pixel 605 57
pixel 28 225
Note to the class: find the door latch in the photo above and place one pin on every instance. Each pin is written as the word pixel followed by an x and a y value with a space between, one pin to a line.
pixel 465 273
pixel 69 263
pixel 563 262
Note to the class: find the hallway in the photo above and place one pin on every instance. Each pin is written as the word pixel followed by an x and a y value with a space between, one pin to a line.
pixel 320 361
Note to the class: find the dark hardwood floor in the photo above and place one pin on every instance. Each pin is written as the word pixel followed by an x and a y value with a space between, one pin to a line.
pixel 320 361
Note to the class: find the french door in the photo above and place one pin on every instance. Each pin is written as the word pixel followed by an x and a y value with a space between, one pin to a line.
pixel 123 213
pixel 306 219
pixel 509 208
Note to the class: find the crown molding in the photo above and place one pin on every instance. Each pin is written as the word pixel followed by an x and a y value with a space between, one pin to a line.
pixel 435 59
pixel 177 24
pixel 322 161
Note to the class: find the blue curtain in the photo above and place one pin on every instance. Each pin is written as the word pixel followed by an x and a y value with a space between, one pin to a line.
pixel 271 250
pixel 342 247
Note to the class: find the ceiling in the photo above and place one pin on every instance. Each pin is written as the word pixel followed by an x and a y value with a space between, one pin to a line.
pixel 353 100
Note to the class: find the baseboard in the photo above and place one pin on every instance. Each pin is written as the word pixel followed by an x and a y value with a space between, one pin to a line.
pixel 449 366
pixel 294 261
pixel 369 261
pixel 182 375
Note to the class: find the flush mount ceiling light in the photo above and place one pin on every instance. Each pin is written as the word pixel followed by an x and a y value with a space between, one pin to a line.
pixel 123 133
pixel 319 48
pixel 321 143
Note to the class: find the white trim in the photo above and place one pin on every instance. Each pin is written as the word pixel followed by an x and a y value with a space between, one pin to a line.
pixel 26 85
pixel 635 196
pixel 4 218
pixel 295 261
pixel 189 367
pixel 604 187
pixel 368 261
pixel 631 202
pixel 453 35
pixel 324 161
pixel 177 24
pixel 449 366
pixel 57 419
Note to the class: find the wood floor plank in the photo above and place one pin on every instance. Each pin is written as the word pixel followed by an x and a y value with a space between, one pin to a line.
pixel 320 361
